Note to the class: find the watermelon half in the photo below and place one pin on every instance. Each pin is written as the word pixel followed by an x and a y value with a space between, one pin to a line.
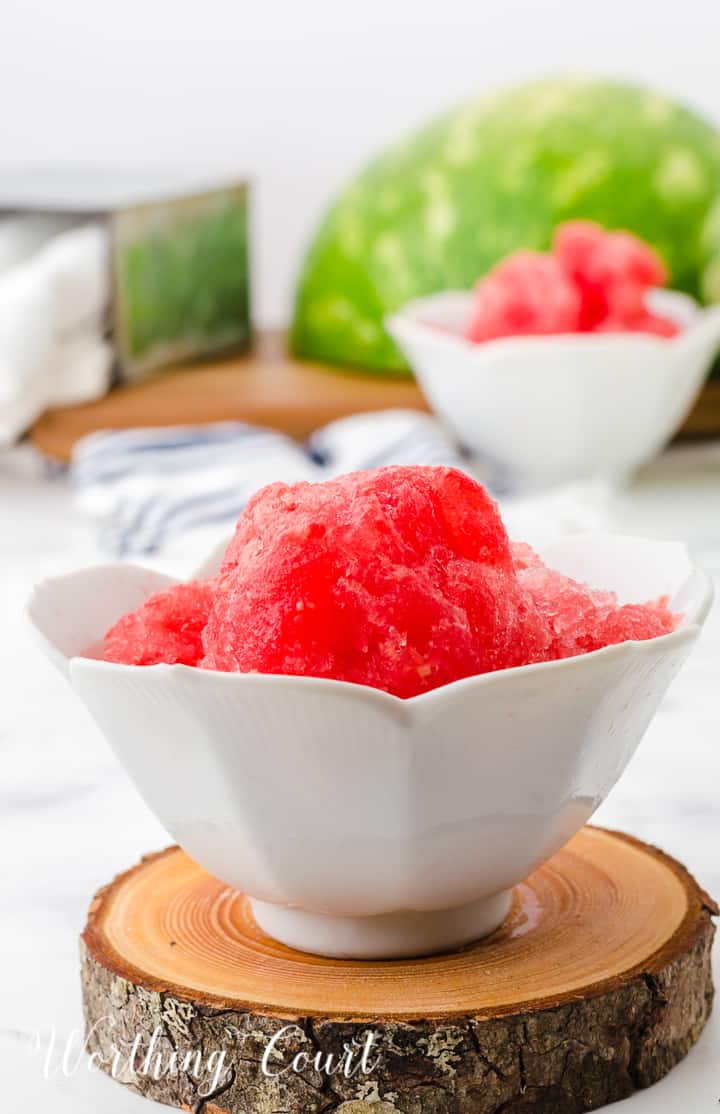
pixel 497 175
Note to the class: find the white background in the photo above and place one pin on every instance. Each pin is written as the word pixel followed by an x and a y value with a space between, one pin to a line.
pixel 296 94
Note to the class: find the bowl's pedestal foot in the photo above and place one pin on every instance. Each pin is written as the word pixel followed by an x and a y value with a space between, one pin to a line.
pixel 388 936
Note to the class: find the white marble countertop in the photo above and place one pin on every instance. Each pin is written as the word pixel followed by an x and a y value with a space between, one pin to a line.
pixel 71 819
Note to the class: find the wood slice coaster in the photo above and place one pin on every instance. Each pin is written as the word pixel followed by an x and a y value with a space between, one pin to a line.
pixel 597 983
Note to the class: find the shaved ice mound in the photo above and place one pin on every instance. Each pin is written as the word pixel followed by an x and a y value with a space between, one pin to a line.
pixel 528 294
pixel 399 578
pixel 592 281
pixel 612 270
pixel 582 619
pixel 166 629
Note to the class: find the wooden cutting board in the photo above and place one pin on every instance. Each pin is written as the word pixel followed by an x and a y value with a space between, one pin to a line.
pixel 267 387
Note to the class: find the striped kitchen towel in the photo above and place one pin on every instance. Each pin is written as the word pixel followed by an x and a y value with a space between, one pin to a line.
pixel 149 486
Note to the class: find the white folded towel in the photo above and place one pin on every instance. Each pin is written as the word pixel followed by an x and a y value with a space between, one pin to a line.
pixel 76 370
pixel 53 299
pixel 22 234
pixel 77 265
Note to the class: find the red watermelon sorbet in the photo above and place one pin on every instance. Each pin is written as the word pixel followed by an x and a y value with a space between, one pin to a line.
pixel 167 628
pixel 592 281
pixel 400 578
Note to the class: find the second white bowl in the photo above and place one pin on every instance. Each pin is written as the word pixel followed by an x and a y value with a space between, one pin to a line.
pixel 550 409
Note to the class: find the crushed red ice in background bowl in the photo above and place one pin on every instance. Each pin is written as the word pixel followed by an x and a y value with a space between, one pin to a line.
pixel 591 281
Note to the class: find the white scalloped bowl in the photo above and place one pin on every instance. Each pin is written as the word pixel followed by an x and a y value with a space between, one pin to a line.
pixel 550 409
pixel 364 825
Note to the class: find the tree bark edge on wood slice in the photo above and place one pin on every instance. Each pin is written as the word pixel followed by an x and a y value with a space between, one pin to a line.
pixel 555 1055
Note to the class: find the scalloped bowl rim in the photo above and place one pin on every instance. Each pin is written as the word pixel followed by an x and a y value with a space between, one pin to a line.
pixel 687 631
pixel 676 637
pixel 683 309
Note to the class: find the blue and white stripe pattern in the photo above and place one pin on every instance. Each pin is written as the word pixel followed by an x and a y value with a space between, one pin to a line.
pixel 148 486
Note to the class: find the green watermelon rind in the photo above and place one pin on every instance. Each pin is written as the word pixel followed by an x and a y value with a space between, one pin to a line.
pixel 440 209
